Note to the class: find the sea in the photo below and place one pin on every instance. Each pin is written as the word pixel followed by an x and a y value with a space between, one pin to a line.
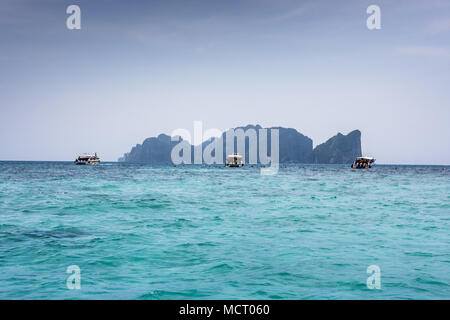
pixel 135 231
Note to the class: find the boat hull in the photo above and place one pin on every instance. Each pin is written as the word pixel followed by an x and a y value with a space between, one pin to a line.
pixel 234 165
pixel 89 163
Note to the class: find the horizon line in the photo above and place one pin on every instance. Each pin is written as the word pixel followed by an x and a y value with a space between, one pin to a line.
pixel 292 163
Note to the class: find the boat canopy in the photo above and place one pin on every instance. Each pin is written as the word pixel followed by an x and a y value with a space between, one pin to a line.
pixel 234 156
pixel 88 155
pixel 364 160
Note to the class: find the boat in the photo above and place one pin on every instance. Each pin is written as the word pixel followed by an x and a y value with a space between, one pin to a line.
pixel 363 163
pixel 234 161
pixel 87 159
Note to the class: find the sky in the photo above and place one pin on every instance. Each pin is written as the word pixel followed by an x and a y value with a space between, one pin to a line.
pixel 136 69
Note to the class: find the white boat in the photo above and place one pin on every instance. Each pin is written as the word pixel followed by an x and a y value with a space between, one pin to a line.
pixel 234 160
pixel 363 163
pixel 87 159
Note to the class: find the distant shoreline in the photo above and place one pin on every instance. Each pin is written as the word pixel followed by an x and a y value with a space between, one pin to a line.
pixel 219 165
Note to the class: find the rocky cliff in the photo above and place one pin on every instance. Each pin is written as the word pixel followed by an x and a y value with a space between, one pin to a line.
pixel 339 149
pixel 294 147
pixel 152 150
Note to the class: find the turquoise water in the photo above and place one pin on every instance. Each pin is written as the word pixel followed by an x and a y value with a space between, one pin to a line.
pixel 143 232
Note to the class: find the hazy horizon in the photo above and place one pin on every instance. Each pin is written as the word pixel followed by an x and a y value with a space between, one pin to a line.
pixel 140 68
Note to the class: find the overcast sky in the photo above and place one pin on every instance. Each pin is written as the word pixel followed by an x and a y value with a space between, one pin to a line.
pixel 140 68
